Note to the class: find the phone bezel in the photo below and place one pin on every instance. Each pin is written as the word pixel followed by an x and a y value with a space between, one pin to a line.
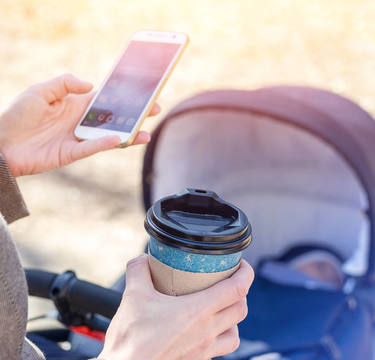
pixel 86 132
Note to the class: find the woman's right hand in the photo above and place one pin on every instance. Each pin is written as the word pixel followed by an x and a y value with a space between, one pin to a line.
pixel 153 326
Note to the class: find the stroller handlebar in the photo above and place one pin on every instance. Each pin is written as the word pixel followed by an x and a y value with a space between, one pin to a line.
pixel 94 298
pixel 72 295
pixel 39 282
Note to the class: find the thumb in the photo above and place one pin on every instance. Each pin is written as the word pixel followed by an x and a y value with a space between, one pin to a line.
pixel 138 273
pixel 87 148
pixel 59 87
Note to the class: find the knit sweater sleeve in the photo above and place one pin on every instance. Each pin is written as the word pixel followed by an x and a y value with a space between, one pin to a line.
pixel 12 206
pixel 13 286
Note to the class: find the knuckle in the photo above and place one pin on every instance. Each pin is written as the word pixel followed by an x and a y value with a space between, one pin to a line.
pixel 192 313
pixel 243 310
pixel 196 309
pixel 204 314
pixel 241 289
pixel 206 343
pixel 62 80
pixel 135 263
pixel 234 343
pixel 203 324
pixel 138 294
pixel 66 75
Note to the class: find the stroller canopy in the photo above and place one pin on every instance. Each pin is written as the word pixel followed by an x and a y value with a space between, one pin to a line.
pixel 299 161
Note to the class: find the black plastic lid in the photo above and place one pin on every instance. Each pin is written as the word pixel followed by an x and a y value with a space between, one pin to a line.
pixel 199 221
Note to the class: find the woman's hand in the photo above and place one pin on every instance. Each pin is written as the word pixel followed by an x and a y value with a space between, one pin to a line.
pixel 36 131
pixel 150 325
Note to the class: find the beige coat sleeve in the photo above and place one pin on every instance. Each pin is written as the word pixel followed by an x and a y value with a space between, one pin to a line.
pixel 13 287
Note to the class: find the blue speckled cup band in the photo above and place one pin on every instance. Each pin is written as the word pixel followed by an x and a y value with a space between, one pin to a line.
pixel 186 261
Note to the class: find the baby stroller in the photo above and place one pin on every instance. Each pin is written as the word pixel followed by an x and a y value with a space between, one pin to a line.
pixel 298 161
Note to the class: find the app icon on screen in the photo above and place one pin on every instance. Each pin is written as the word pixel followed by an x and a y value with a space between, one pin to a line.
pixel 130 121
pixel 91 116
pixel 109 118
pixel 101 117
pixel 120 120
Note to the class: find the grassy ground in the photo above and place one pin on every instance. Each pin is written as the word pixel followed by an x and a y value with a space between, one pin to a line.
pixel 88 216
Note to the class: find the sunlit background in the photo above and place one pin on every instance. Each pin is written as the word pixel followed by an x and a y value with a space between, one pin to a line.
pixel 89 216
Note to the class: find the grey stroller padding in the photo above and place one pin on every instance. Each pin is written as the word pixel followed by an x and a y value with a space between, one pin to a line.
pixel 298 161
pixel 288 181
pixel 275 173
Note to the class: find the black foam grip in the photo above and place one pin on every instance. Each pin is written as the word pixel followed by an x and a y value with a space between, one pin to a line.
pixel 94 298
pixel 39 282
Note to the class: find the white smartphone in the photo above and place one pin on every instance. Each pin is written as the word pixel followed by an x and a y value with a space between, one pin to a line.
pixel 131 89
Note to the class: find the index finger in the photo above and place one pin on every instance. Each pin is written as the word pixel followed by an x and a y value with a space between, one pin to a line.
pixel 59 87
pixel 225 292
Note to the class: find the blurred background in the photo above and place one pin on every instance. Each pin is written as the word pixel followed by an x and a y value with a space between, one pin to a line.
pixel 88 216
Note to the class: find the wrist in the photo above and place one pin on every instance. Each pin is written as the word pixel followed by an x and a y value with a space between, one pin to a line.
pixel 3 152
pixel 6 159
pixel 116 354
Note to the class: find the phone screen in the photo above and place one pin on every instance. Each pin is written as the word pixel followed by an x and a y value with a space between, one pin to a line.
pixel 129 88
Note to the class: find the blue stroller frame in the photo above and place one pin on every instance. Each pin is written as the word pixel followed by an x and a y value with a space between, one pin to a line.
pixel 300 162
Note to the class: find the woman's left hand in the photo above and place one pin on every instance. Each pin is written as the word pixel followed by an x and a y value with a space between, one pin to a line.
pixel 36 131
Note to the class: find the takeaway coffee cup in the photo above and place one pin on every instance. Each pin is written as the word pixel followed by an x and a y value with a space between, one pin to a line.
pixel 196 240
